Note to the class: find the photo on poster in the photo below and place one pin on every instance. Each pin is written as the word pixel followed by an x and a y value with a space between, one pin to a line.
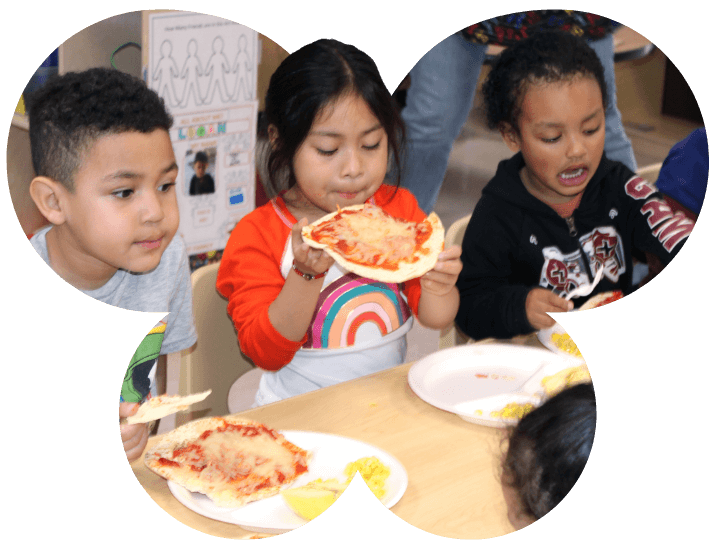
pixel 200 171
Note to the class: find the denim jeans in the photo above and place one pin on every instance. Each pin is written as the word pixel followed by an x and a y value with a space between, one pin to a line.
pixel 438 102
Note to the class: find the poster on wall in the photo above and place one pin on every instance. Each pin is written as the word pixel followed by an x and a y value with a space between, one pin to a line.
pixel 205 68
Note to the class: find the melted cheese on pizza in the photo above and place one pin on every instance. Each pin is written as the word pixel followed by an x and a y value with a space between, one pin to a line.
pixel 246 457
pixel 372 237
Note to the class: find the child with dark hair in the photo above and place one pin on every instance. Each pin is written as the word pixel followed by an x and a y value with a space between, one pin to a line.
pixel 558 211
pixel 331 127
pixel 202 182
pixel 77 122
pixel 105 177
pixel 547 452
pixel 70 112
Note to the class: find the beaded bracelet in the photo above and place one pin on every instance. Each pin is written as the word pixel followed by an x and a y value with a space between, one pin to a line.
pixel 308 277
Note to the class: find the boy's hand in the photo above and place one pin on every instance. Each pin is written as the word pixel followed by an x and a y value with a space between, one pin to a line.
pixel 134 436
pixel 441 279
pixel 539 302
pixel 308 259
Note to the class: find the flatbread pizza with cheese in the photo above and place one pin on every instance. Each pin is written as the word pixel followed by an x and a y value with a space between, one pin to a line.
pixel 369 242
pixel 232 461
pixel 161 406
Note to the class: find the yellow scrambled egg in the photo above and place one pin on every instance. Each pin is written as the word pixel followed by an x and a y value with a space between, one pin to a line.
pixel 315 497
pixel 373 472
pixel 553 384
pixel 513 411
pixel 564 342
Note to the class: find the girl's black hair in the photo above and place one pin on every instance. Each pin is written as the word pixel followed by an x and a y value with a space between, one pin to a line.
pixel 549 448
pixel 307 81
pixel 545 57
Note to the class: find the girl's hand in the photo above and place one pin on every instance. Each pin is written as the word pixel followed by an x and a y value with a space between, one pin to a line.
pixel 308 260
pixel 441 279
pixel 133 436
pixel 539 302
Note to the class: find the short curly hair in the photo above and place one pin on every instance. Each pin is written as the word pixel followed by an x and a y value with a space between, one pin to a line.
pixel 545 57
pixel 71 111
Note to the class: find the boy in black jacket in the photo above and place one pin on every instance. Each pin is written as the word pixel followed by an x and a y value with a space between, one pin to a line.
pixel 558 210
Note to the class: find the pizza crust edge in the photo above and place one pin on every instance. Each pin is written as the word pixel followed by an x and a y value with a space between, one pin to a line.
pixel 594 301
pixel 162 406
pixel 407 271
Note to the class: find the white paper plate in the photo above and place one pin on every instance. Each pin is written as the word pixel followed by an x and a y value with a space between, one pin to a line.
pixel 474 380
pixel 545 336
pixel 330 453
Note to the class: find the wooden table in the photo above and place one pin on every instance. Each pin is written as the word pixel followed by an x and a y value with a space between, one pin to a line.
pixel 452 492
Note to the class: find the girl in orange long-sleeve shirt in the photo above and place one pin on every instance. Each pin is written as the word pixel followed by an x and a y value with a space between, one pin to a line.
pixel 332 126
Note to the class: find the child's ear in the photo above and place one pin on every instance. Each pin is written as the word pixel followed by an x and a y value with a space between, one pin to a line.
pixel 48 197
pixel 510 136
pixel 273 135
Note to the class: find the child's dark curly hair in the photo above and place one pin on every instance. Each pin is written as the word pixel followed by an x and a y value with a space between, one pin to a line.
pixel 549 448
pixel 69 112
pixel 545 57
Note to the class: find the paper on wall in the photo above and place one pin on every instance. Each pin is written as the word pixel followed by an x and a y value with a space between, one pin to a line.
pixel 205 68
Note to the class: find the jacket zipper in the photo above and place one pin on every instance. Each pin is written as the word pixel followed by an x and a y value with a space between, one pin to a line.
pixel 572 227
pixel 573 232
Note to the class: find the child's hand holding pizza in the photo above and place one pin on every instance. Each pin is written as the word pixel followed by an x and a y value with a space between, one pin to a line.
pixel 308 259
pixel 133 436
pixel 441 279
